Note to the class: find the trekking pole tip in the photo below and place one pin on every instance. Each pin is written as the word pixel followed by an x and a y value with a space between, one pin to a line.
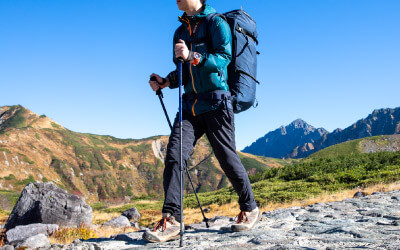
pixel 206 221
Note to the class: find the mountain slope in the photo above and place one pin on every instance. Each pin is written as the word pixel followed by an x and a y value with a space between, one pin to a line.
pixel 379 122
pixel 34 147
pixel 381 143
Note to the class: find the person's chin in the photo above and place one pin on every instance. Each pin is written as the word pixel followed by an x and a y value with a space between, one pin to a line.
pixel 180 6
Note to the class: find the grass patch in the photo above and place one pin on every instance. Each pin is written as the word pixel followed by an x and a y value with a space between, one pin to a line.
pixel 55 125
pixel 140 205
pixel 26 181
pixel 345 148
pixel 26 159
pixel 10 177
pixel 5 150
pixel 143 147
pixel 250 163
pixel 11 196
pixel 67 235
pixel 17 120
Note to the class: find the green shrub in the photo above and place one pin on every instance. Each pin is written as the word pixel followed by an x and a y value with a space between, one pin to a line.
pixel 26 181
pixel 10 177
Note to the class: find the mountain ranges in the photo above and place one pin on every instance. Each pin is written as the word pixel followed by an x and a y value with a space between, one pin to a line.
pixel 299 139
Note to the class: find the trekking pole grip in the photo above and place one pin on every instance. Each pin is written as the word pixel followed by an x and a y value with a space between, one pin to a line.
pixel 158 92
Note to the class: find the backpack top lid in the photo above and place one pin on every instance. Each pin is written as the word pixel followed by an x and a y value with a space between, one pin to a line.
pixel 241 19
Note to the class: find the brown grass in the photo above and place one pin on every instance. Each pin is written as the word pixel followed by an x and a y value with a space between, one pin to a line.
pixel 68 235
pixel 194 215
pixel 101 217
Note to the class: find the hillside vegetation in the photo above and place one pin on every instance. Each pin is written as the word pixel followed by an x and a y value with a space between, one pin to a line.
pixel 35 148
pixel 390 143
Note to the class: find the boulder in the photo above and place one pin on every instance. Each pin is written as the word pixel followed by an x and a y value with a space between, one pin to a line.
pixel 34 242
pixel 121 221
pixel 132 214
pixel 359 194
pixel 19 233
pixel 48 204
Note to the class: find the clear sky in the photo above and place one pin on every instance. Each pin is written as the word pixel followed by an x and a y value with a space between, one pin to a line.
pixel 86 63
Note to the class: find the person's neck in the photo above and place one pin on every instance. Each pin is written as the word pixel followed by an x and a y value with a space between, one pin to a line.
pixel 194 11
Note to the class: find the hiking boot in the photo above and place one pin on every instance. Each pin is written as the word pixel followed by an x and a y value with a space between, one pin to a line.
pixel 166 229
pixel 246 220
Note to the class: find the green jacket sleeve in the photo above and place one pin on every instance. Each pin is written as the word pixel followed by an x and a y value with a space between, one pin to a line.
pixel 221 55
pixel 174 75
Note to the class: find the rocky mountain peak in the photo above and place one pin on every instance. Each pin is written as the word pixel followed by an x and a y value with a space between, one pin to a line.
pixel 280 143
pixel 299 123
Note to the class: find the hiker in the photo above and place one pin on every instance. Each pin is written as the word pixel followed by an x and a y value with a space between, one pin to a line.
pixel 207 109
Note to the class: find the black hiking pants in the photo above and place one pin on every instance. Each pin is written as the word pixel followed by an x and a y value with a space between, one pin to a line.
pixel 219 127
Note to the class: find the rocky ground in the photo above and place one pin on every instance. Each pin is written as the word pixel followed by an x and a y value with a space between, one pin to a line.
pixel 370 222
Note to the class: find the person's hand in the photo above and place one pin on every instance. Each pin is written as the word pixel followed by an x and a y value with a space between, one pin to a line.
pixel 155 85
pixel 181 50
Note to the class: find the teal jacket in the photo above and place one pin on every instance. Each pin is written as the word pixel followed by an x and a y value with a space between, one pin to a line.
pixel 211 73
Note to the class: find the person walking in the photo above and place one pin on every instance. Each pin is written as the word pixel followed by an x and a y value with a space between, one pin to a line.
pixel 207 109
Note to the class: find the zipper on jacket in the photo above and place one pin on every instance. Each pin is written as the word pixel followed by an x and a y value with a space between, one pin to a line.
pixel 190 65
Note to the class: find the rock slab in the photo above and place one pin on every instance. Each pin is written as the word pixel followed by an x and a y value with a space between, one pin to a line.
pixel 48 204
pixel 132 214
pixel 34 242
pixel 120 221
pixel 23 232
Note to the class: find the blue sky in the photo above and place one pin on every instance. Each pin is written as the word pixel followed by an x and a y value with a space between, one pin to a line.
pixel 86 63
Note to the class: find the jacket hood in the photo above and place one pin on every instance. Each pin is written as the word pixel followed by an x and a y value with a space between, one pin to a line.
pixel 205 12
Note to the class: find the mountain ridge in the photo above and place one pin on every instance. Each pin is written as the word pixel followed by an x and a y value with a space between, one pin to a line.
pixel 384 121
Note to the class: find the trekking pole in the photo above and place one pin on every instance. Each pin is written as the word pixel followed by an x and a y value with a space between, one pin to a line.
pixel 180 146
pixel 160 96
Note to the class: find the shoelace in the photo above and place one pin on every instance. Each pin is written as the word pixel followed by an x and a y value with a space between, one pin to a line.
pixel 162 224
pixel 242 217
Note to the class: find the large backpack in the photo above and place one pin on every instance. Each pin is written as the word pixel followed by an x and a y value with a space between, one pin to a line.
pixel 242 70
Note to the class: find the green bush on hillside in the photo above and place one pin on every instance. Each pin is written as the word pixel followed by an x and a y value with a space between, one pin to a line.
pixel 313 177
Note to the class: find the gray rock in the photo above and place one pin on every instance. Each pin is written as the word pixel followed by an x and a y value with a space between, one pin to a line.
pixel 23 232
pixel 132 214
pixel 7 247
pixel 46 203
pixel 36 241
pixel 120 221
pixel 396 197
pixel 129 236
pixel 135 224
pixel 359 194
pixel 207 210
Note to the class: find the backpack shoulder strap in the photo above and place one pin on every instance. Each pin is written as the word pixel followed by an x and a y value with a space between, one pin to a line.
pixel 209 19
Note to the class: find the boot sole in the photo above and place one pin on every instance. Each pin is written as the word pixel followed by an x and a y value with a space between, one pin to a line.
pixel 176 237
pixel 245 229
